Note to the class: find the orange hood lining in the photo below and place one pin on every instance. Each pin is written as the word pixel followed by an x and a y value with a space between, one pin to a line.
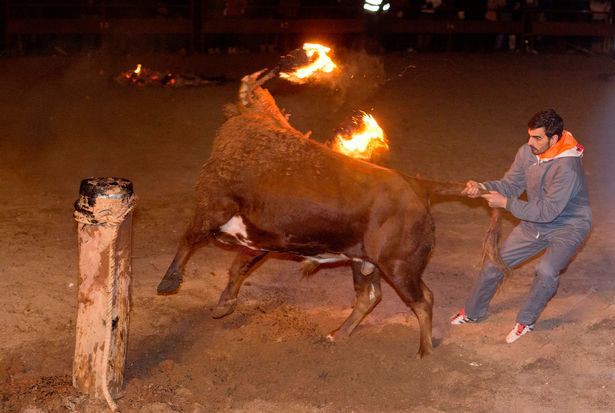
pixel 565 143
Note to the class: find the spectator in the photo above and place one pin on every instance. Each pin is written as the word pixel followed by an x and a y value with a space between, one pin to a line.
pixel 472 10
pixel 601 10
pixel 428 11
pixel 601 14
pixel 494 14
pixel 289 9
pixel 235 8
pixel 373 10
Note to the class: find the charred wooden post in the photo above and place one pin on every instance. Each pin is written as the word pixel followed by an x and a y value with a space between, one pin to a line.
pixel 104 215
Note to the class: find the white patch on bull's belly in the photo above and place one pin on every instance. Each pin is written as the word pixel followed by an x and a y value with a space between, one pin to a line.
pixel 367 268
pixel 237 229
pixel 328 258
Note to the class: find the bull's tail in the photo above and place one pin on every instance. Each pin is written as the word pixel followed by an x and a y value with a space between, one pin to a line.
pixel 492 241
pixel 438 187
pixel 493 236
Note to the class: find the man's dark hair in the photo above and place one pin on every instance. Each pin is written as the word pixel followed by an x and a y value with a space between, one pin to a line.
pixel 548 119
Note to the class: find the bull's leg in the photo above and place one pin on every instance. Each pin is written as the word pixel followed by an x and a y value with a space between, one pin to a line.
pixel 174 276
pixel 211 213
pixel 367 288
pixel 413 291
pixel 245 260
pixel 423 309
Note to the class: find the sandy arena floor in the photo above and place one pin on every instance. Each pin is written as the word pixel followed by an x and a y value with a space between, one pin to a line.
pixel 449 117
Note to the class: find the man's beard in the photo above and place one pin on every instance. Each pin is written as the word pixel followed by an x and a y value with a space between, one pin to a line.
pixel 537 151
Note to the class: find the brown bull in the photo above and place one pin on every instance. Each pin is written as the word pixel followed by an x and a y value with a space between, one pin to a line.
pixel 267 187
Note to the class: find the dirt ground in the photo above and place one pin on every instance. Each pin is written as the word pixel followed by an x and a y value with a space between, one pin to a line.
pixel 448 116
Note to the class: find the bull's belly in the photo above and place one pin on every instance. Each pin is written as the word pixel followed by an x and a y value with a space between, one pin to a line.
pixel 236 232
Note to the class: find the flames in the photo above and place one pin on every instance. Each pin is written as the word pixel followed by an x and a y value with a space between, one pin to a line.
pixel 365 137
pixel 318 62
pixel 363 140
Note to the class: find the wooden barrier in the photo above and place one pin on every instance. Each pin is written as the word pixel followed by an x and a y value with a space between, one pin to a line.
pixel 580 29
pixel 197 21
pixel 97 26
pixel 450 26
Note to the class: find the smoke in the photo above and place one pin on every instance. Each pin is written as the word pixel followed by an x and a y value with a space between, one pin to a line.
pixel 359 78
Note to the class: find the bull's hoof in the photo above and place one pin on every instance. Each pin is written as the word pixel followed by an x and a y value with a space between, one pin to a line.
pixel 337 335
pixel 423 353
pixel 170 283
pixel 224 309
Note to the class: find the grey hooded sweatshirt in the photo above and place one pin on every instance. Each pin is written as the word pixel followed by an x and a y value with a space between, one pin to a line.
pixel 556 192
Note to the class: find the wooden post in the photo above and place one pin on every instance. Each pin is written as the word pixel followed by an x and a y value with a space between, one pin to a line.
pixel 104 215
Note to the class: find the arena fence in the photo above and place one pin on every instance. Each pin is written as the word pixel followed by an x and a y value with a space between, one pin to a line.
pixel 195 24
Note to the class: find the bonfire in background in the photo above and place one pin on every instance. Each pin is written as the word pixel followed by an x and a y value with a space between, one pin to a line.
pixel 364 139
pixel 141 76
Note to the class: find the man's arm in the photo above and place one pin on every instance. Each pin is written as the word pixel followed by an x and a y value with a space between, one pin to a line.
pixel 557 193
pixel 512 185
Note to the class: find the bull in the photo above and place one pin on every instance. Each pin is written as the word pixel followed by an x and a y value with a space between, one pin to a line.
pixel 267 187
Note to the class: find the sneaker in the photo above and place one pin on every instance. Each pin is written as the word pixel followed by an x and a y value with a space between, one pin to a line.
pixel 461 318
pixel 518 331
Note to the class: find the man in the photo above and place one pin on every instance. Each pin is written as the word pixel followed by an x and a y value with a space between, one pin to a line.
pixel 373 10
pixel 556 218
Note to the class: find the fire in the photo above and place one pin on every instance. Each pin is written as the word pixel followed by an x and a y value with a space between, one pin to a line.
pixel 366 138
pixel 318 61
pixel 143 76
pixel 136 75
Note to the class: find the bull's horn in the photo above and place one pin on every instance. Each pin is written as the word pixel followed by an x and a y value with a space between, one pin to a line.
pixel 251 82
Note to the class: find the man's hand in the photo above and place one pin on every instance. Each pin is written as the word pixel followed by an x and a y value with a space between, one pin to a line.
pixel 472 189
pixel 495 199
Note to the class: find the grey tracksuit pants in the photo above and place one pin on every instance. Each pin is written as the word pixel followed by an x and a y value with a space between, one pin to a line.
pixel 561 245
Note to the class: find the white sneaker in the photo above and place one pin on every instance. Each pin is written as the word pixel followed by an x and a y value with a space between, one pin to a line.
pixel 461 318
pixel 518 331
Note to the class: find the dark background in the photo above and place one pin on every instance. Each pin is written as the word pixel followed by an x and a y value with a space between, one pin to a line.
pixel 235 26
